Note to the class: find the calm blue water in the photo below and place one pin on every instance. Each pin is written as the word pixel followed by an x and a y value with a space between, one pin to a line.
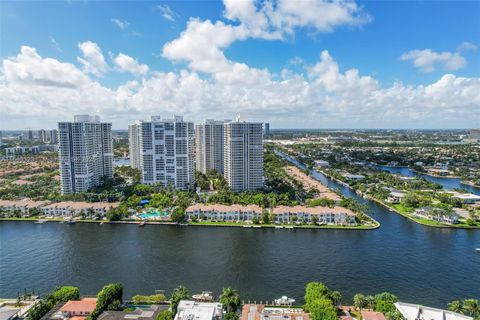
pixel 420 264
pixel 447 183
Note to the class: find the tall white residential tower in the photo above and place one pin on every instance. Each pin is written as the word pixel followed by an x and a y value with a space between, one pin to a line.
pixel 85 153
pixel 134 144
pixel 209 144
pixel 243 155
pixel 165 149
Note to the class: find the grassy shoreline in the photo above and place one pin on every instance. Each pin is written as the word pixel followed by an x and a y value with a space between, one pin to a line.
pixel 422 221
pixel 375 225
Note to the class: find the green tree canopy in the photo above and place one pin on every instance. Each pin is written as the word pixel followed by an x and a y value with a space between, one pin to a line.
pixel 63 294
pixel 109 298
pixel 165 315
pixel 322 309
pixel 230 299
pixel 315 291
pixel 179 293
pixel 384 302
pixel 359 301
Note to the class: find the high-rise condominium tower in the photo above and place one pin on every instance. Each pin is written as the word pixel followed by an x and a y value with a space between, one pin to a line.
pixel 243 155
pixel 48 136
pixel 209 146
pixel 134 144
pixel 52 136
pixel 42 135
pixel 85 153
pixel 165 149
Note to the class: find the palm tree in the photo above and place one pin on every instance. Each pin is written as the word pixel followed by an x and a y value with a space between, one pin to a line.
pixel 370 301
pixel 359 301
pixel 455 306
pixel 472 307
pixel 336 297
pixel 230 299
pixel 179 293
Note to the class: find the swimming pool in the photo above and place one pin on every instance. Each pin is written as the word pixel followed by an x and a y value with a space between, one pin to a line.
pixel 152 214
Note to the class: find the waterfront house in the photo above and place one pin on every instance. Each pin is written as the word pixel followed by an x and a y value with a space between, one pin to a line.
pixel 260 312
pixel 395 197
pixel 281 214
pixel 74 209
pixel 438 172
pixel 23 206
pixel 436 214
pixel 193 310
pixel 417 312
pixel 78 308
pixel 220 212
pixel 354 177
pixel 140 313
pixel 321 163
pixel 466 198
pixel 323 215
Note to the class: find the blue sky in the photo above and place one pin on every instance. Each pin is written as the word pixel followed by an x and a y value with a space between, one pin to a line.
pixel 372 39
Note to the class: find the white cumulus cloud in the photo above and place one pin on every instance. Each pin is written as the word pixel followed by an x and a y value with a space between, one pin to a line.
pixel 49 90
pixel 428 60
pixel 93 61
pixel 129 64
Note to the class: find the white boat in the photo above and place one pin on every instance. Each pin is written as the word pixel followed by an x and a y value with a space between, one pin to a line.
pixel 278 227
pixel 204 296
pixel 284 301
pixel 478 250
pixel 41 221
pixel 141 224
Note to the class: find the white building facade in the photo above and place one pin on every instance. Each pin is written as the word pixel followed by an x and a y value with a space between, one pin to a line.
pixel 165 149
pixel 193 310
pixel 243 155
pixel 85 153
pixel 134 145
pixel 74 209
pixel 280 214
pixel 209 143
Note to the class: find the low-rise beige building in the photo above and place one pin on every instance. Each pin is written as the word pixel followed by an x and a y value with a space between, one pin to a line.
pixel 24 205
pixel 280 214
pixel 73 209
pixel 220 212
pixel 323 215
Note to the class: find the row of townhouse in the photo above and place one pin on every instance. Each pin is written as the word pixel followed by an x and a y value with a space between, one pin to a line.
pixel 58 209
pixel 324 215
pixel 220 212
pixel 23 206
pixel 74 209
pixel 281 214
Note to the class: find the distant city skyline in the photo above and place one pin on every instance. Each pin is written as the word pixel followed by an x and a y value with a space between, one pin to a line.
pixel 309 64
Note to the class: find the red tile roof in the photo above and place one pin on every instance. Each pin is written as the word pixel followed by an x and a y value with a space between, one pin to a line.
pixel 372 315
pixel 77 306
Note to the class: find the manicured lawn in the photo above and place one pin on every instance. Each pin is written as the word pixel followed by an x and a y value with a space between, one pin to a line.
pixel 407 212
pixel 240 224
